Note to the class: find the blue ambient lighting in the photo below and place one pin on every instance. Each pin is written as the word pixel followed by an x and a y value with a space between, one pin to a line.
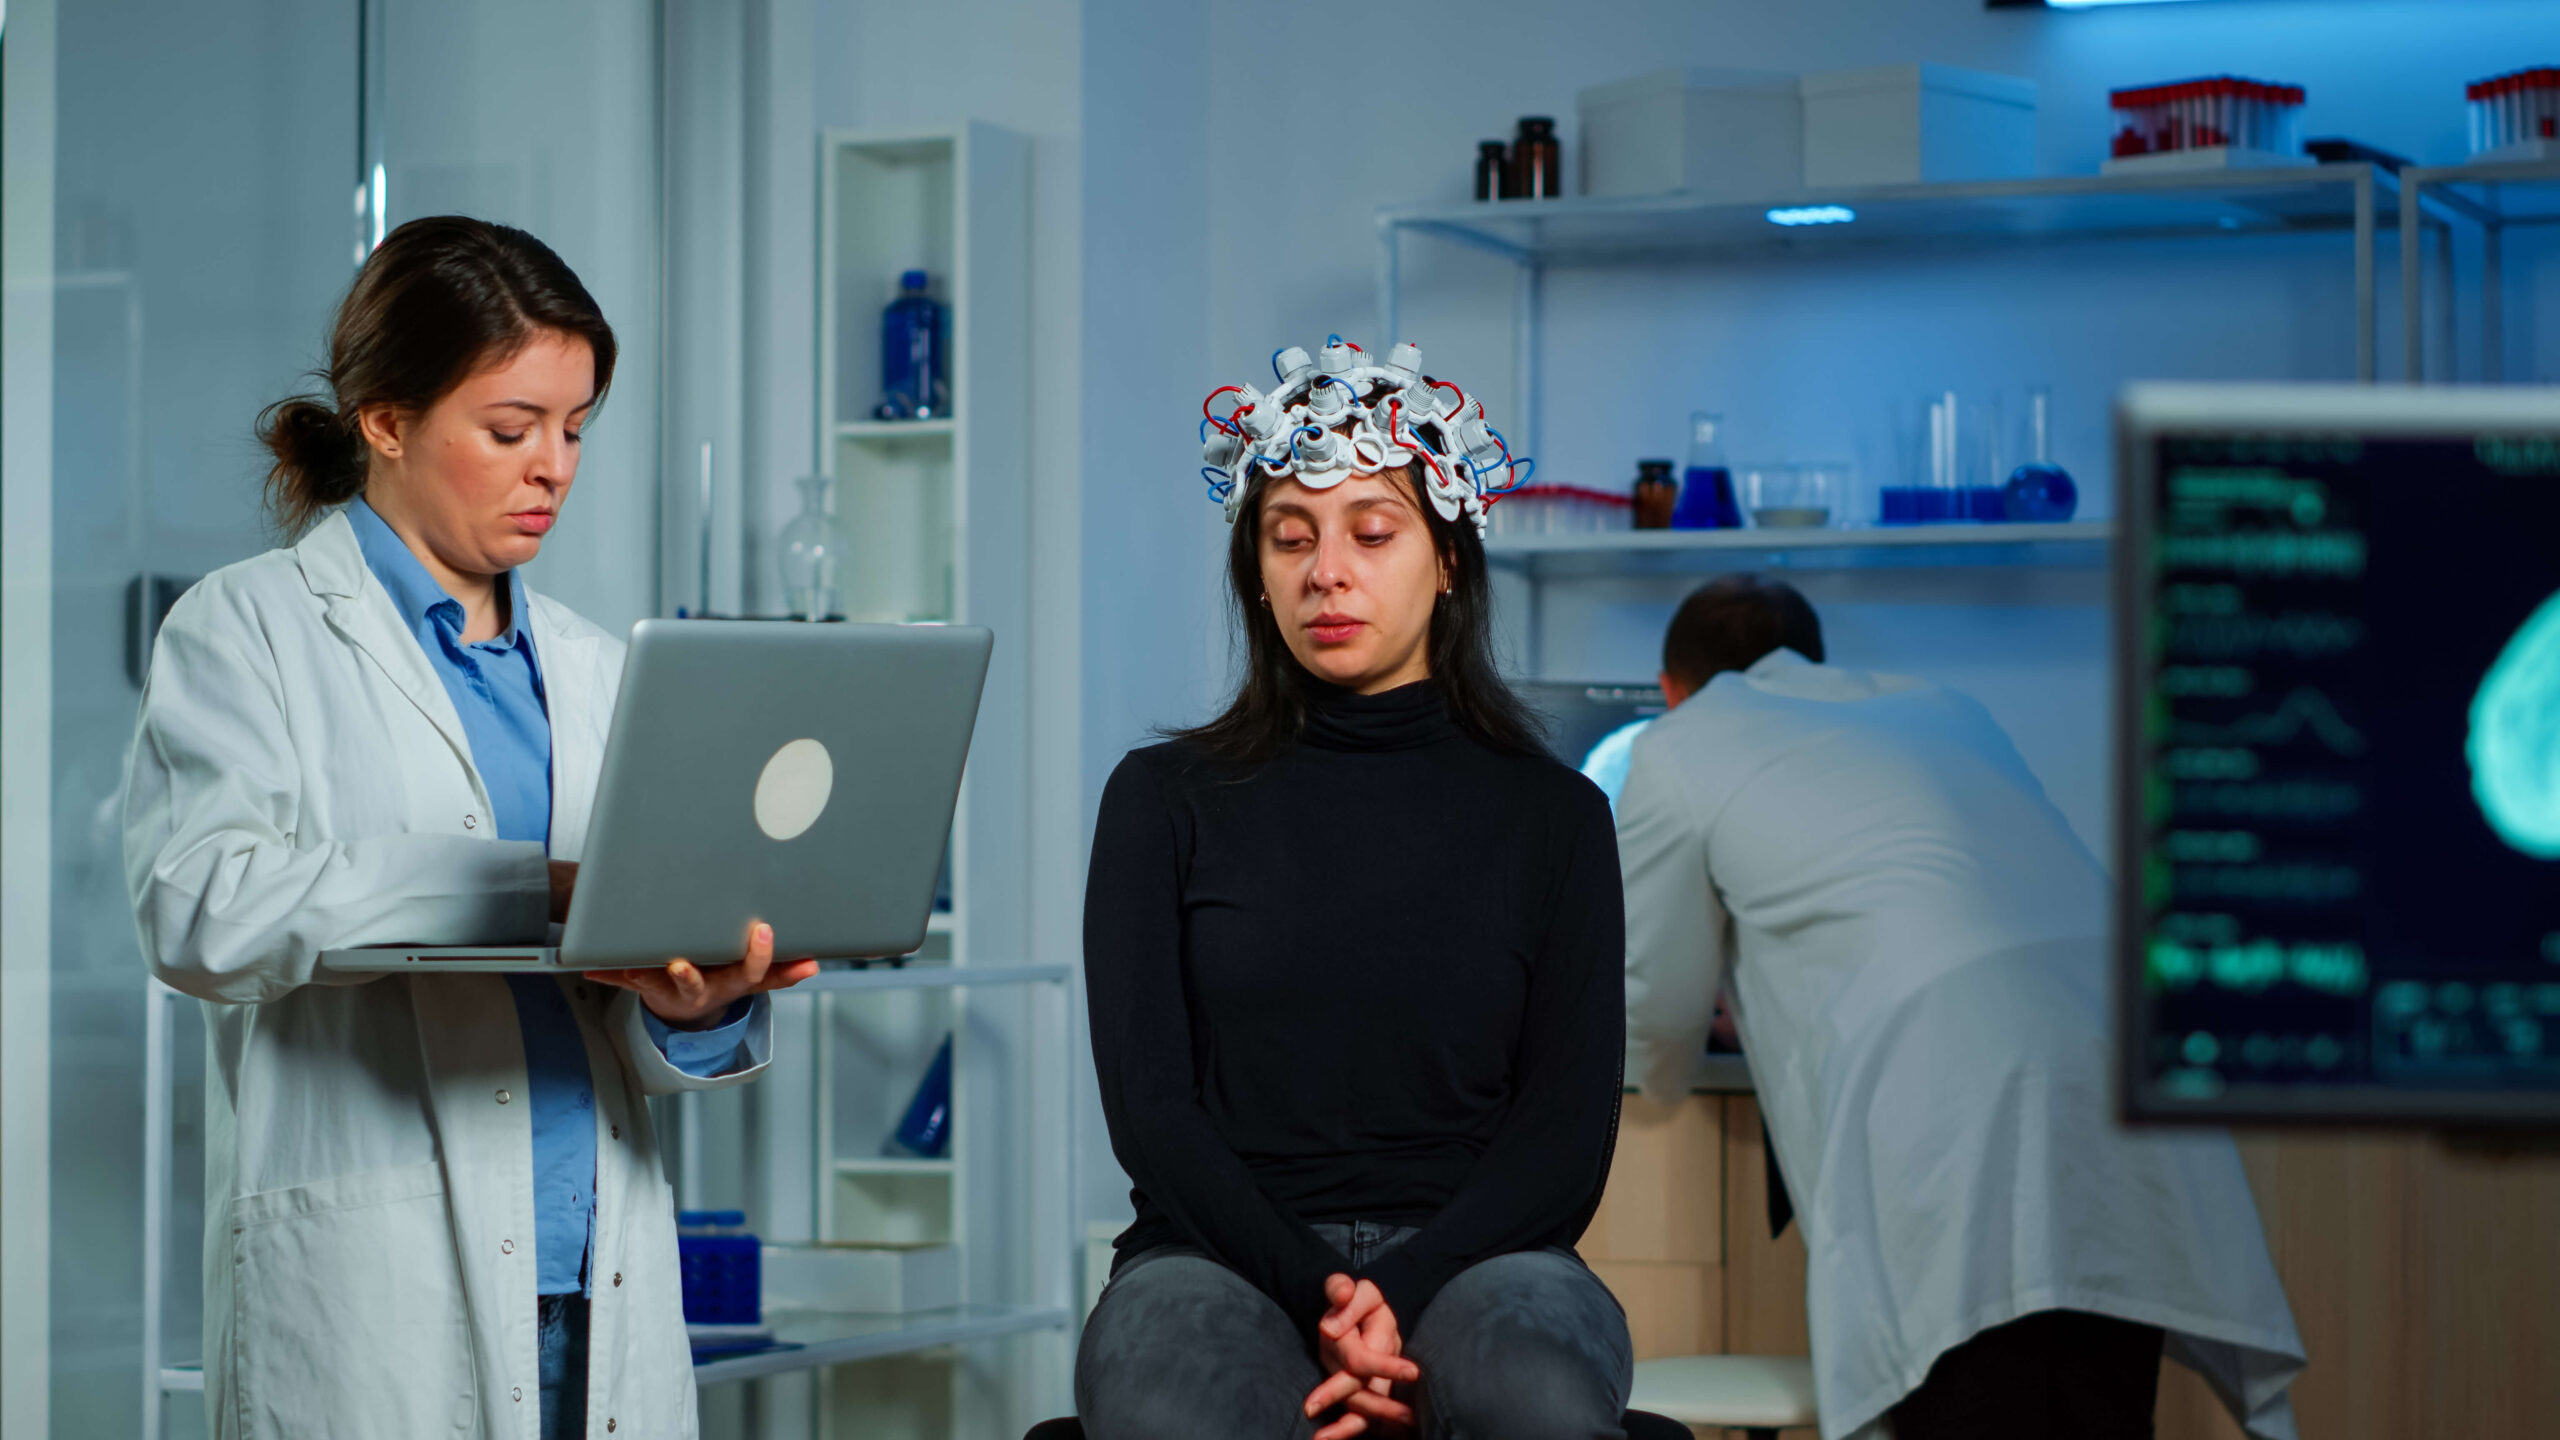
pixel 2093 4
pixel 1812 215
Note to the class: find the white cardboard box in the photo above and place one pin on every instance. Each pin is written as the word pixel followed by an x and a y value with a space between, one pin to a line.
pixel 1914 124
pixel 861 1279
pixel 1728 134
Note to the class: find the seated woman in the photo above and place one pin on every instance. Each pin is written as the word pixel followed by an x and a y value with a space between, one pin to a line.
pixel 1354 957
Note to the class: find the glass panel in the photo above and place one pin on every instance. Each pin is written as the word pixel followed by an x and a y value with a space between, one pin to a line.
pixel 203 160
pixel 200 229
pixel 545 117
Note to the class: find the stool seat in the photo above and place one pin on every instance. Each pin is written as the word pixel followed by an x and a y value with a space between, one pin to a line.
pixel 1754 1392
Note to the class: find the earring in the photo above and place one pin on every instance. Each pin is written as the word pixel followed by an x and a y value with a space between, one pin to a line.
pixel 1266 600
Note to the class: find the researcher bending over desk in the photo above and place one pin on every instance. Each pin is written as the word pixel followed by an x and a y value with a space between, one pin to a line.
pixel 1915 945
pixel 433 1204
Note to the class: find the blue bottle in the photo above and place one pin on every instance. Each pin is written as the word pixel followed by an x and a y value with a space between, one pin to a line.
pixel 1706 489
pixel 915 359
pixel 925 1133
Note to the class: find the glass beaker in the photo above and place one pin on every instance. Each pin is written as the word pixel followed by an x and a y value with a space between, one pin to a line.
pixel 1949 451
pixel 1793 496
pixel 813 553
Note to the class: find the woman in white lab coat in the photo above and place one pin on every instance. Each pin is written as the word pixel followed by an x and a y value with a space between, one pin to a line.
pixel 1916 942
pixel 326 757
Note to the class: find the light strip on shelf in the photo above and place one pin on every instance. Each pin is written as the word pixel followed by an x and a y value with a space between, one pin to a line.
pixel 1812 215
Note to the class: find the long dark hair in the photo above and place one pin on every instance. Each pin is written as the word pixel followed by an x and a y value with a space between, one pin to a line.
pixel 1270 704
pixel 438 299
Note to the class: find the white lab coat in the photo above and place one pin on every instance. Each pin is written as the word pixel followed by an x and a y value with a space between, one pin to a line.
pixel 1917 955
pixel 299 781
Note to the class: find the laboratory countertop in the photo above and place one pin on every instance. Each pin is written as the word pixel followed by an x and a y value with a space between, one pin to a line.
pixel 1719 1075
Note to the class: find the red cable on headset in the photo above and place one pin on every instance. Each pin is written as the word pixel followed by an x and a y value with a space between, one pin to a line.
pixel 1214 420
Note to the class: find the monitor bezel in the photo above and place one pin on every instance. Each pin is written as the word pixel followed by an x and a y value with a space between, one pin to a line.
pixel 2145 416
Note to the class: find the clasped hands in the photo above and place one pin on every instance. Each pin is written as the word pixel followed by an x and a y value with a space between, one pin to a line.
pixel 1359 1343
pixel 685 995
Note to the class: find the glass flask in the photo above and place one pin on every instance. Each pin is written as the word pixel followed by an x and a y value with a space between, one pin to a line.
pixel 814 553
pixel 1706 490
pixel 2040 491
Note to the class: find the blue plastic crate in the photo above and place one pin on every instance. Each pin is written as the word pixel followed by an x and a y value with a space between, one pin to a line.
pixel 722 1268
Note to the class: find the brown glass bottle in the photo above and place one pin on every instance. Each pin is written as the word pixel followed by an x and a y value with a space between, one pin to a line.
pixel 1537 161
pixel 1656 494
pixel 1493 170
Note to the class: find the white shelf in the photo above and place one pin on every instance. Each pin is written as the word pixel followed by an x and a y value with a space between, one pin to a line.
pixel 894 430
pixel 934 975
pixel 2079 544
pixel 842 1339
pixel 820 1339
pixel 890 1165
pixel 942 922
pixel 1595 229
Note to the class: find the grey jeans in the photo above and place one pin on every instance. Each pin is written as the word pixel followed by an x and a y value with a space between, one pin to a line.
pixel 1520 1347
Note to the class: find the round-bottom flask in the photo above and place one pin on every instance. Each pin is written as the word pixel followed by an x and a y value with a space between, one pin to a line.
pixel 813 553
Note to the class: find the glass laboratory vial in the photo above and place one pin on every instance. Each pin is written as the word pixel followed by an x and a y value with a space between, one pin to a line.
pixel 814 552
pixel 925 1132
pixel 1537 160
pixel 1493 166
pixel 1655 495
pixel 915 372
pixel 1706 489
pixel 2039 491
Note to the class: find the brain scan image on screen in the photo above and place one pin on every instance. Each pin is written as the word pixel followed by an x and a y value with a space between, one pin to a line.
pixel 2515 738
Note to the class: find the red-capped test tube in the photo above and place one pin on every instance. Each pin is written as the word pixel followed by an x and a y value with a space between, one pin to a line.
pixel 2514 108
pixel 2213 111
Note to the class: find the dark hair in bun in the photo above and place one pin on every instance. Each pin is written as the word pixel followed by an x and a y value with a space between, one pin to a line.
pixel 438 299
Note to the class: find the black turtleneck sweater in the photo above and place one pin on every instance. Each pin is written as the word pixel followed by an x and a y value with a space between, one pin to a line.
pixel 1379 977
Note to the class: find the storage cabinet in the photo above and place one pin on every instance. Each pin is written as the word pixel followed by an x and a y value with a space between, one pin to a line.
pixel 2420 1275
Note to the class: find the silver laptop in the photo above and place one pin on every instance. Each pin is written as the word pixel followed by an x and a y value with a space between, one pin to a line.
pixel 801 775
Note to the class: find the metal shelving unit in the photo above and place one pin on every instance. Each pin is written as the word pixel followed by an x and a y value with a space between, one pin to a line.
pixel 2495 198
pixel 1623 552
pixel 1539 235
pixel 807 1340
pixel 1536 235
pixel 939 506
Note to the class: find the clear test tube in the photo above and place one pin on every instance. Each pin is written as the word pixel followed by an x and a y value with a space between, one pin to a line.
pixel 2223 101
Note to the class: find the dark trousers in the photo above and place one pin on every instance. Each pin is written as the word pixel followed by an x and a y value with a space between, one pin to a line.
pixel 562 1323
pixel 2057 1373
pixel 1520 1347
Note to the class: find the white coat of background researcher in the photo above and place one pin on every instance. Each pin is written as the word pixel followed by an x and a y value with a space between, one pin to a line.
pixel 433 1203
pixel 1915 946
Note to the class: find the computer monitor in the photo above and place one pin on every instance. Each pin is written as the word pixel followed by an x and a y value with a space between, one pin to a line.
pixel 1581 714
pixel 2338 798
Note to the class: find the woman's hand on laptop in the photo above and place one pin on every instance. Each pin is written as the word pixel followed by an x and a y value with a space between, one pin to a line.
pixel 689 997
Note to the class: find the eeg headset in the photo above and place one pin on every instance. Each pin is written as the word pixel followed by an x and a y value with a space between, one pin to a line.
pixel 1317 427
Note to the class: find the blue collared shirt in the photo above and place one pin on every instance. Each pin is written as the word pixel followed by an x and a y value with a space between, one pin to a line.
pixel 496 686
